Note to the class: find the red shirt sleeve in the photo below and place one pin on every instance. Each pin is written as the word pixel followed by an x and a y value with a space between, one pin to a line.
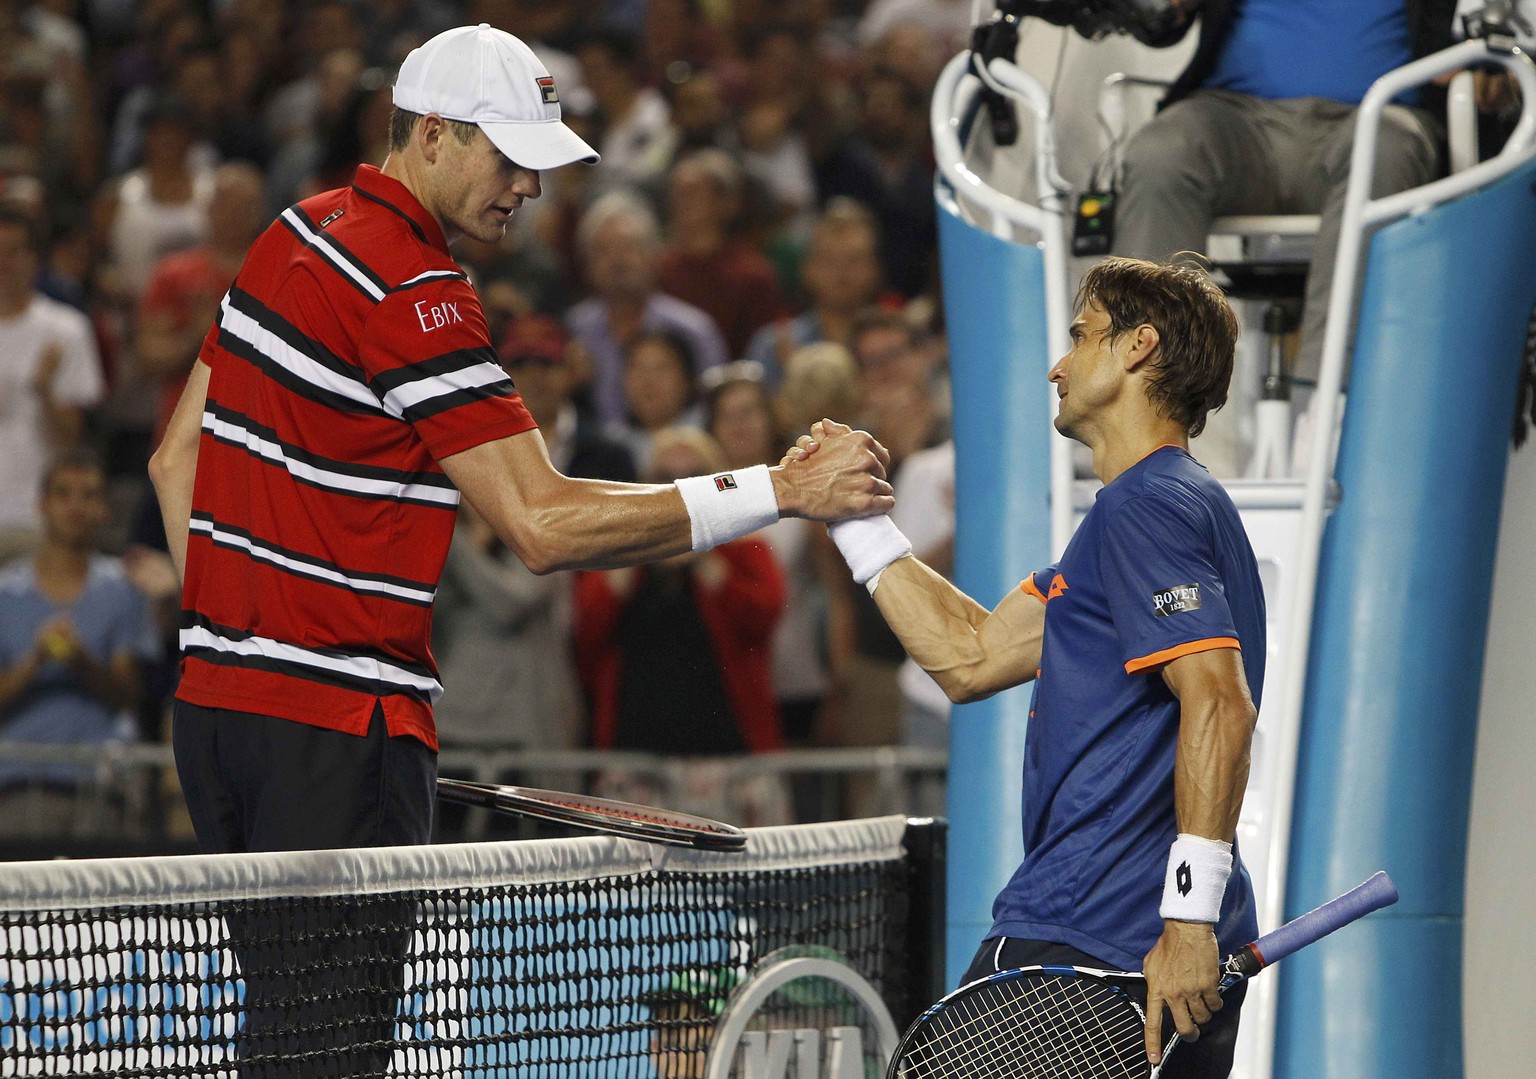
pixel 426 352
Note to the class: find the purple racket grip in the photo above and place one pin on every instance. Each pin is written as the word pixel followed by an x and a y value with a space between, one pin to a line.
pixel 1374 894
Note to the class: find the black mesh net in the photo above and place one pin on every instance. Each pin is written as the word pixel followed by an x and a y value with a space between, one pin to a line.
pixel 620 975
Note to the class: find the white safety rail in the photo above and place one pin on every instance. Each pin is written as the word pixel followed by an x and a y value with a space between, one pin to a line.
pixel 1362 214
pixel 954 103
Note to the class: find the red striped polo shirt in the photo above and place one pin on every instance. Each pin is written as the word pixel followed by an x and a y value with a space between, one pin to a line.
pixel 349 357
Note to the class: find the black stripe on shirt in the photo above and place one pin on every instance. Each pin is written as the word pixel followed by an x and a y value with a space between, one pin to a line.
pixel 434 406
pixel 392 208
pixel 341 248
pixel 446 363
pixel 194 620
pixel 312 563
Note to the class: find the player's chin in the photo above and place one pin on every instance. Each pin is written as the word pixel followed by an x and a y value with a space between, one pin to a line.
pixel 490 227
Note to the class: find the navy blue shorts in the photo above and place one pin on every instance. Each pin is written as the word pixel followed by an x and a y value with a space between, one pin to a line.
pixel 256 783
pixel 1208 1058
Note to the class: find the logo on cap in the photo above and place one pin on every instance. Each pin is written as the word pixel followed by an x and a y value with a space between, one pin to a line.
pixel 547 89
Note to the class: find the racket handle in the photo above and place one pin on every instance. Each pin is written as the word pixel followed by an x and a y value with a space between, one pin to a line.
pixel 1359 901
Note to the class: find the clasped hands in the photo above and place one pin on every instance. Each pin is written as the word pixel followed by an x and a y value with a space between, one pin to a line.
pixel 835 472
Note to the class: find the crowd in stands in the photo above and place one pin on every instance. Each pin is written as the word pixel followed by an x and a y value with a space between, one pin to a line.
pixel 756 250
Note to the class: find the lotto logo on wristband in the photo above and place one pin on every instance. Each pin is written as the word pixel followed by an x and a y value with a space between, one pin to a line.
pixel 725 483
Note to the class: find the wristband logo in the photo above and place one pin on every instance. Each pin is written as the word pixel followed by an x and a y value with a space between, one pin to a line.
pixel 1183 879
pixel 726 482
pixel 1176 600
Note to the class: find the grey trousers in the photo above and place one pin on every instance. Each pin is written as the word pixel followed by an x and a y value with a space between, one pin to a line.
pixel 1217 153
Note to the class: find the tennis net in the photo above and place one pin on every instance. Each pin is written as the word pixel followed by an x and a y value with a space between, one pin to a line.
pixel 572 957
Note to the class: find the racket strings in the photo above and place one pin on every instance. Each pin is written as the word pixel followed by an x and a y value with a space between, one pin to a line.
pixel 1038 1027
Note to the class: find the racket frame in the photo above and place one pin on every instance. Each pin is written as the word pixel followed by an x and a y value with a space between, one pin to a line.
pixel 1376 892
pixel 606 815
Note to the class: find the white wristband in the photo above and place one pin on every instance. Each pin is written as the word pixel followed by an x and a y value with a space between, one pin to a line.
pixel 1196 880
pixel 728 505
pixel 869 544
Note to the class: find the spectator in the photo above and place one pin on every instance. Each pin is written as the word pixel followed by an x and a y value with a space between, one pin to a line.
pixel 217 111
pixel 49 375
pixel 1262 121
pixel 677 37
pixel 841 276
pixel 945 25
pixel 740 417
pixel 820 380
pixel 502 634
pixel 634 117
pixel 891 354
pixel 324 29
pixel 661 391
pixel 676 655
pixel 886 164
pixel 700 116
pixel 503 641
pixel 73 635
pixel 707 263
pixel 897 395
pixel 536 354
pixel 161 206
pixel 307 162
pixel 183 294
pixel 619 242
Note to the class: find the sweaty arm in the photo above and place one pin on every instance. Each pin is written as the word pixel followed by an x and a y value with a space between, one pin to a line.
pixel 173 468
pixel 554 522
pixel 971 652
pixel 1216 718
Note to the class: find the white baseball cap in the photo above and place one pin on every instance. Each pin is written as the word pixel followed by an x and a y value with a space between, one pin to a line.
pixel 484 76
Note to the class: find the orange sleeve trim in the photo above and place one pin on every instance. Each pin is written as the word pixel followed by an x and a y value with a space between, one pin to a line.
pixel 1168 655
pixel 1030 588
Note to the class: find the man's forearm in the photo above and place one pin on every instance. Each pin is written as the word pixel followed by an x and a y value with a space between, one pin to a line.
pixel 1211 772
pixel 173 468
pixel 173 490
pixel 969 651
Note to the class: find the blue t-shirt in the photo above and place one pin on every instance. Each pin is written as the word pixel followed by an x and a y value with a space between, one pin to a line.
pixel 1312 48
pixel 1159 568
pixel 111 617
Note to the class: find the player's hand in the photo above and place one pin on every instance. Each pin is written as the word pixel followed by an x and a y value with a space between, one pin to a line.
pixel 844 476
pixel 1183 972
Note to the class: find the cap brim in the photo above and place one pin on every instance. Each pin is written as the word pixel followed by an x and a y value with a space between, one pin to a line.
pixel 542 144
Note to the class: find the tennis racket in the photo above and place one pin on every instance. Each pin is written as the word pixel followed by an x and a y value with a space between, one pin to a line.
pixel 598 814
pixel 1051 1021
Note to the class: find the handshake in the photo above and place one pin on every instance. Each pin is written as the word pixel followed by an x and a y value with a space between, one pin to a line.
pixel 838 475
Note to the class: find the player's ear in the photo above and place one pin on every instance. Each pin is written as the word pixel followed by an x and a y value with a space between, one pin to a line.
pixel 1144 340
pixel 429 135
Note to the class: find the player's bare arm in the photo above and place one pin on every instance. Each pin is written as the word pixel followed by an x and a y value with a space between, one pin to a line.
pixel 971 652
pixel 1216 718
pixel 555 522
pixel 174 465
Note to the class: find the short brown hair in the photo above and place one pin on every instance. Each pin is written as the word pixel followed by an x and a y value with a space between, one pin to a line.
pixel 1196 329
pixel 402 123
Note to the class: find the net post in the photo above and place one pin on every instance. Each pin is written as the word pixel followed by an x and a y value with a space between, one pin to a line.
pixel 927 844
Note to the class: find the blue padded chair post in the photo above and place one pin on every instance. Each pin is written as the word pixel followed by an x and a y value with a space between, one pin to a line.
pixel 994 302
pixel 1395 671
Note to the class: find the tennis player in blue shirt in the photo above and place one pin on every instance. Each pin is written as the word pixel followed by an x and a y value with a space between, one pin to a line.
pixel 1146 646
